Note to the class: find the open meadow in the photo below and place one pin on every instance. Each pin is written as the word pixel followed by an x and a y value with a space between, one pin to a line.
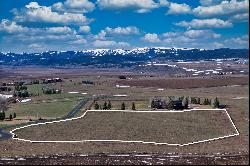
pixel 157 127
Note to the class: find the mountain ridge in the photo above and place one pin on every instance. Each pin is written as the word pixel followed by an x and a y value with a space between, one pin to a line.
pixel 119 57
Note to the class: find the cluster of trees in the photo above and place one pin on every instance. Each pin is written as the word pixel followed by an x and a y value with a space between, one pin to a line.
pixel 197 100
pixel 122 77
pixel 49 90
pixel 87 82
pixel 105 106
pixel 171 102
pixel 22 93
pixel 108 106
pixel 35 81
pixel 20 87
pixel 51 80
pixel 20 90
pixel 5 89
pixel 215 103
pixel 2 116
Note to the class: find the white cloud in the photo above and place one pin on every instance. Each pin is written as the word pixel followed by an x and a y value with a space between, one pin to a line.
pixel 59 30
pixel 171 34
pixel 141 6
pixel 242 41
pixel 206 23
pixel 33 5
pixel 201 34
pixel 240 17
pixel 151 38
pixel 74 6
pixel 79 41
pixel 109 44
pixel 84 29
pixel 210 2
pixel 217 45
pixel 224 8
pixel 35 46
pixel 101 35
pixel 176 8
pixel 130 30
pixel 176 41
pixel 11 27
pixel 123 30
pixel 36 13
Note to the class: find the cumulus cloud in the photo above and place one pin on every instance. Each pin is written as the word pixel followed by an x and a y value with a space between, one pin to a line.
pixel 33 12
pixel 176 8
pixel 240 17
pixel 171 34
pixel 84 29
pixel 11 27
pixel 175 41
pixel 227 8
pixel 130 30
pixel 123 30
pixel 205 23
pixel 141 6
pixel 242 41
pixel 46 34
pixel 78 41
pixel 210 2
pixel 151 38
pixel 201 34
pixel 35 46
pixel 217 45
pixel 109 43
pixel 74 6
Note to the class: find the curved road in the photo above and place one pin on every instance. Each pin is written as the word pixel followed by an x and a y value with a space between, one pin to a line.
pixel 6 135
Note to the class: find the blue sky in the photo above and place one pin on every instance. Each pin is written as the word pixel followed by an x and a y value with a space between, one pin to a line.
pixel 43 25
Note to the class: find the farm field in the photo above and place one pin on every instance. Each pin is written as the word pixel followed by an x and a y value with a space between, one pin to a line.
pixel 160 127
pixel 185 83
pixel 44 110
pixel 235 99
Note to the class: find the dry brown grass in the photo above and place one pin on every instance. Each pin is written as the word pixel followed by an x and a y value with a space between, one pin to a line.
pixel 163 127
pixel 185 83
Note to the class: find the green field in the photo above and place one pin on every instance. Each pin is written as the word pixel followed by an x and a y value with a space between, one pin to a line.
pixel 43 110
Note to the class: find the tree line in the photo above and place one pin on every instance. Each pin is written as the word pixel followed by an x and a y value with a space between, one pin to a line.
pixel 3 116
pixel 108 106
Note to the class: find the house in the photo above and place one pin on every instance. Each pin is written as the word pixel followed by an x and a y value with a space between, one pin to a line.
pixel 51 80
pixel 177 104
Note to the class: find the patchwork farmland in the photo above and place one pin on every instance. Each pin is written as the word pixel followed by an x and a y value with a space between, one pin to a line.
pixel 158 127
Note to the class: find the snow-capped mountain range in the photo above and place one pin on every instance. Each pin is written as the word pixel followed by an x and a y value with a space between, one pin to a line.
pixel 118 57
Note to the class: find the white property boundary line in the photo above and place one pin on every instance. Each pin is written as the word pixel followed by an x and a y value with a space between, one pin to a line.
pixel 122 141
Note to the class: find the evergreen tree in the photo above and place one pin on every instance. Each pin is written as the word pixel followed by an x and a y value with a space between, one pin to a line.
pixel 216 103
pixel 133 106
pixel 109 106
pixel 1 116
pixel 10 117
pixel 204 102
pixel 97 107
pixel 185 103
pixel 153 105
pixel 198 101
pixel 105 107
pixel 123 106
pixel 14 115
